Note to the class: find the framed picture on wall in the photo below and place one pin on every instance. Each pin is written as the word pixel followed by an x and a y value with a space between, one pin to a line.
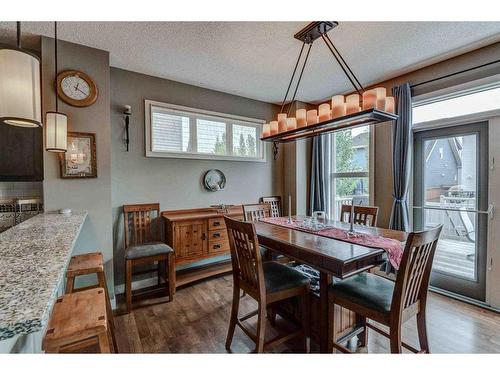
pixel 80 160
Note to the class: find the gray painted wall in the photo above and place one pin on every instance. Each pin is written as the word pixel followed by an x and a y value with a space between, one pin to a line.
pixel 91 194
pixel 176 183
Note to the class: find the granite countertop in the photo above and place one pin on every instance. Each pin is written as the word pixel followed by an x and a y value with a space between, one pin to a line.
pixel 33 259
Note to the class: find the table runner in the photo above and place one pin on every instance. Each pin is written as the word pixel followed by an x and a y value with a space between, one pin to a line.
pixel 393 248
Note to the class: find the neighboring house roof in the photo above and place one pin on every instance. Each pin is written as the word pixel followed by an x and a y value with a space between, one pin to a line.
pixel 455 147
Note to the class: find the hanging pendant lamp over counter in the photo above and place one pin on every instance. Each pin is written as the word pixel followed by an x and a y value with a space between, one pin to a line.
pixel 20 96
pixel 56 123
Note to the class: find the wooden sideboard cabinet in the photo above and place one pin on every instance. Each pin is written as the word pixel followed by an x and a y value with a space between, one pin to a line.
pixel 197 234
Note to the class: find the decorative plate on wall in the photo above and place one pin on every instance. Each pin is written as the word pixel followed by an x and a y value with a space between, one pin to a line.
pixel 214 180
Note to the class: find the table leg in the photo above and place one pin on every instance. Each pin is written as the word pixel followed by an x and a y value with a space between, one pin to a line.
pixel 324 280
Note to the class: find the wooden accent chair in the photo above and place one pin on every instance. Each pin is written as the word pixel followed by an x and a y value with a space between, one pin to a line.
pixel 143 245
pixel 275 202
pixel 78 320
pixel 87 264
pixel 254 212
pixel 388 303
pixel 267 283
pixel 363 215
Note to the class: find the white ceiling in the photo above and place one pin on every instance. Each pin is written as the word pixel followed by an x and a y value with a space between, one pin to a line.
pixel 256 59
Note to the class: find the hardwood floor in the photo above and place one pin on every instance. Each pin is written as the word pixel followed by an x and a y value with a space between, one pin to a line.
pixel 197 320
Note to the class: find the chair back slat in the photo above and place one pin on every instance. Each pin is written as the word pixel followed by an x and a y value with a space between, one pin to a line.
pixel 413 277
pixel 245 257
pixel 363 215
pixel 275 203
pixel 255 212
pixel 139 221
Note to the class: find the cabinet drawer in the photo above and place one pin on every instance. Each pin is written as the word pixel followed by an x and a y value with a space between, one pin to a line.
pixel 217 223
pixel 218 246
pixel 217 235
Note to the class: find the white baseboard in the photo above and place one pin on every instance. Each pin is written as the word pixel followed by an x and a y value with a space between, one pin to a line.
pixel 139 284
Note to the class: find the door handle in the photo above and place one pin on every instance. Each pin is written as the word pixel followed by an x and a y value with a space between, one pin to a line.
pixel 491 211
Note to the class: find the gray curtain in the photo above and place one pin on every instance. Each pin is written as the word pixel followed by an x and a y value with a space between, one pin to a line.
pixel 401 160
pixel 319 172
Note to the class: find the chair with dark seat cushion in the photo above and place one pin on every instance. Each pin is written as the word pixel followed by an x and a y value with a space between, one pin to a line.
pixel 255 212
pixel 147 250
pixel 363 215
pixel 267 283
pixel 275 203
pixel 388 303
pixel 368 290
pixel 278 277
pixel 143 246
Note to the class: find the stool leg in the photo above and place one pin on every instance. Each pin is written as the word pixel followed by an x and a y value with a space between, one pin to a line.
pixel 128 284
pixel 261 329
pixel 331 324
pixel 363 336
pixel 70 284
pixel 170 263
pixel 304 302
pixel 159 271
pixel 109 311
pixel 104 343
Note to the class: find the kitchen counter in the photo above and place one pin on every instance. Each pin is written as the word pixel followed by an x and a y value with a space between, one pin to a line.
pixel 34 256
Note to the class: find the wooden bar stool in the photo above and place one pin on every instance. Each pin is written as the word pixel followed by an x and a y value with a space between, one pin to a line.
pixel 388 303
pixel 87 264
pixel 275 203
pixel 363 215
pixel 78 320
pixel 143 245
pixel 267 283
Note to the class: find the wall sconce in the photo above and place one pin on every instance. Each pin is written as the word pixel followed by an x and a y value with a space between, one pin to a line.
pixel 127 112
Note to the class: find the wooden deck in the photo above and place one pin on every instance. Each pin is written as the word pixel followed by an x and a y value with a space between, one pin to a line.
pixel 451 257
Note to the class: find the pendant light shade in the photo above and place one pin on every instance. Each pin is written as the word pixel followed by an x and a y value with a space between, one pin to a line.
pixel 56 130
pixel 19 88
pixel 56 123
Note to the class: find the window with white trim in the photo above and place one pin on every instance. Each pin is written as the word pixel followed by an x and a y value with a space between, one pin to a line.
pixel 349 167
pixel 457 104
pixel 182 132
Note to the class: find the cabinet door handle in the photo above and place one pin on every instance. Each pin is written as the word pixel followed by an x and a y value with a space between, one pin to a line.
pixel 203 236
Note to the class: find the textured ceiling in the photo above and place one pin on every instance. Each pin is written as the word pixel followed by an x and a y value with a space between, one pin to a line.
pixel 255 59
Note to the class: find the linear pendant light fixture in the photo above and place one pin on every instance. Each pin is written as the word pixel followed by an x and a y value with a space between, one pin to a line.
pixel 56 123
pixel 20 96
pixel 341 113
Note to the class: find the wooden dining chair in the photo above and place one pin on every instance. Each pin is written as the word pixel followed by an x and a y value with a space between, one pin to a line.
pixel 363 215
pixel 143 245
pixel 255 212
pixel 388 303
pixel 267 283
pixel 275 202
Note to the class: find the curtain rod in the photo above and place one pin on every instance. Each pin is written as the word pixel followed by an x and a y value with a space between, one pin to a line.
pixel 454 74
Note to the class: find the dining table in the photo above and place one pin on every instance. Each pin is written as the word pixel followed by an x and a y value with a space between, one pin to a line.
pixel 329 256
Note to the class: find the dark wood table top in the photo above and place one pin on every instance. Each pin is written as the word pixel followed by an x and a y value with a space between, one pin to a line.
pixel 338 258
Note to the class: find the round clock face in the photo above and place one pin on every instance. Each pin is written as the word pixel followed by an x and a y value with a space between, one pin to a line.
pixel 76 88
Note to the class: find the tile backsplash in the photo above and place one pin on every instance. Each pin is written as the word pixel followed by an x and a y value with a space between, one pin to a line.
pixel 21 189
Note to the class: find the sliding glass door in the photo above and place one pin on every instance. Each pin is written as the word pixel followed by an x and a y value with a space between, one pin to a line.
pixel 451 188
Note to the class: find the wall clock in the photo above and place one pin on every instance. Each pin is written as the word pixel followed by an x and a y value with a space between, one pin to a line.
pixel 76 88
